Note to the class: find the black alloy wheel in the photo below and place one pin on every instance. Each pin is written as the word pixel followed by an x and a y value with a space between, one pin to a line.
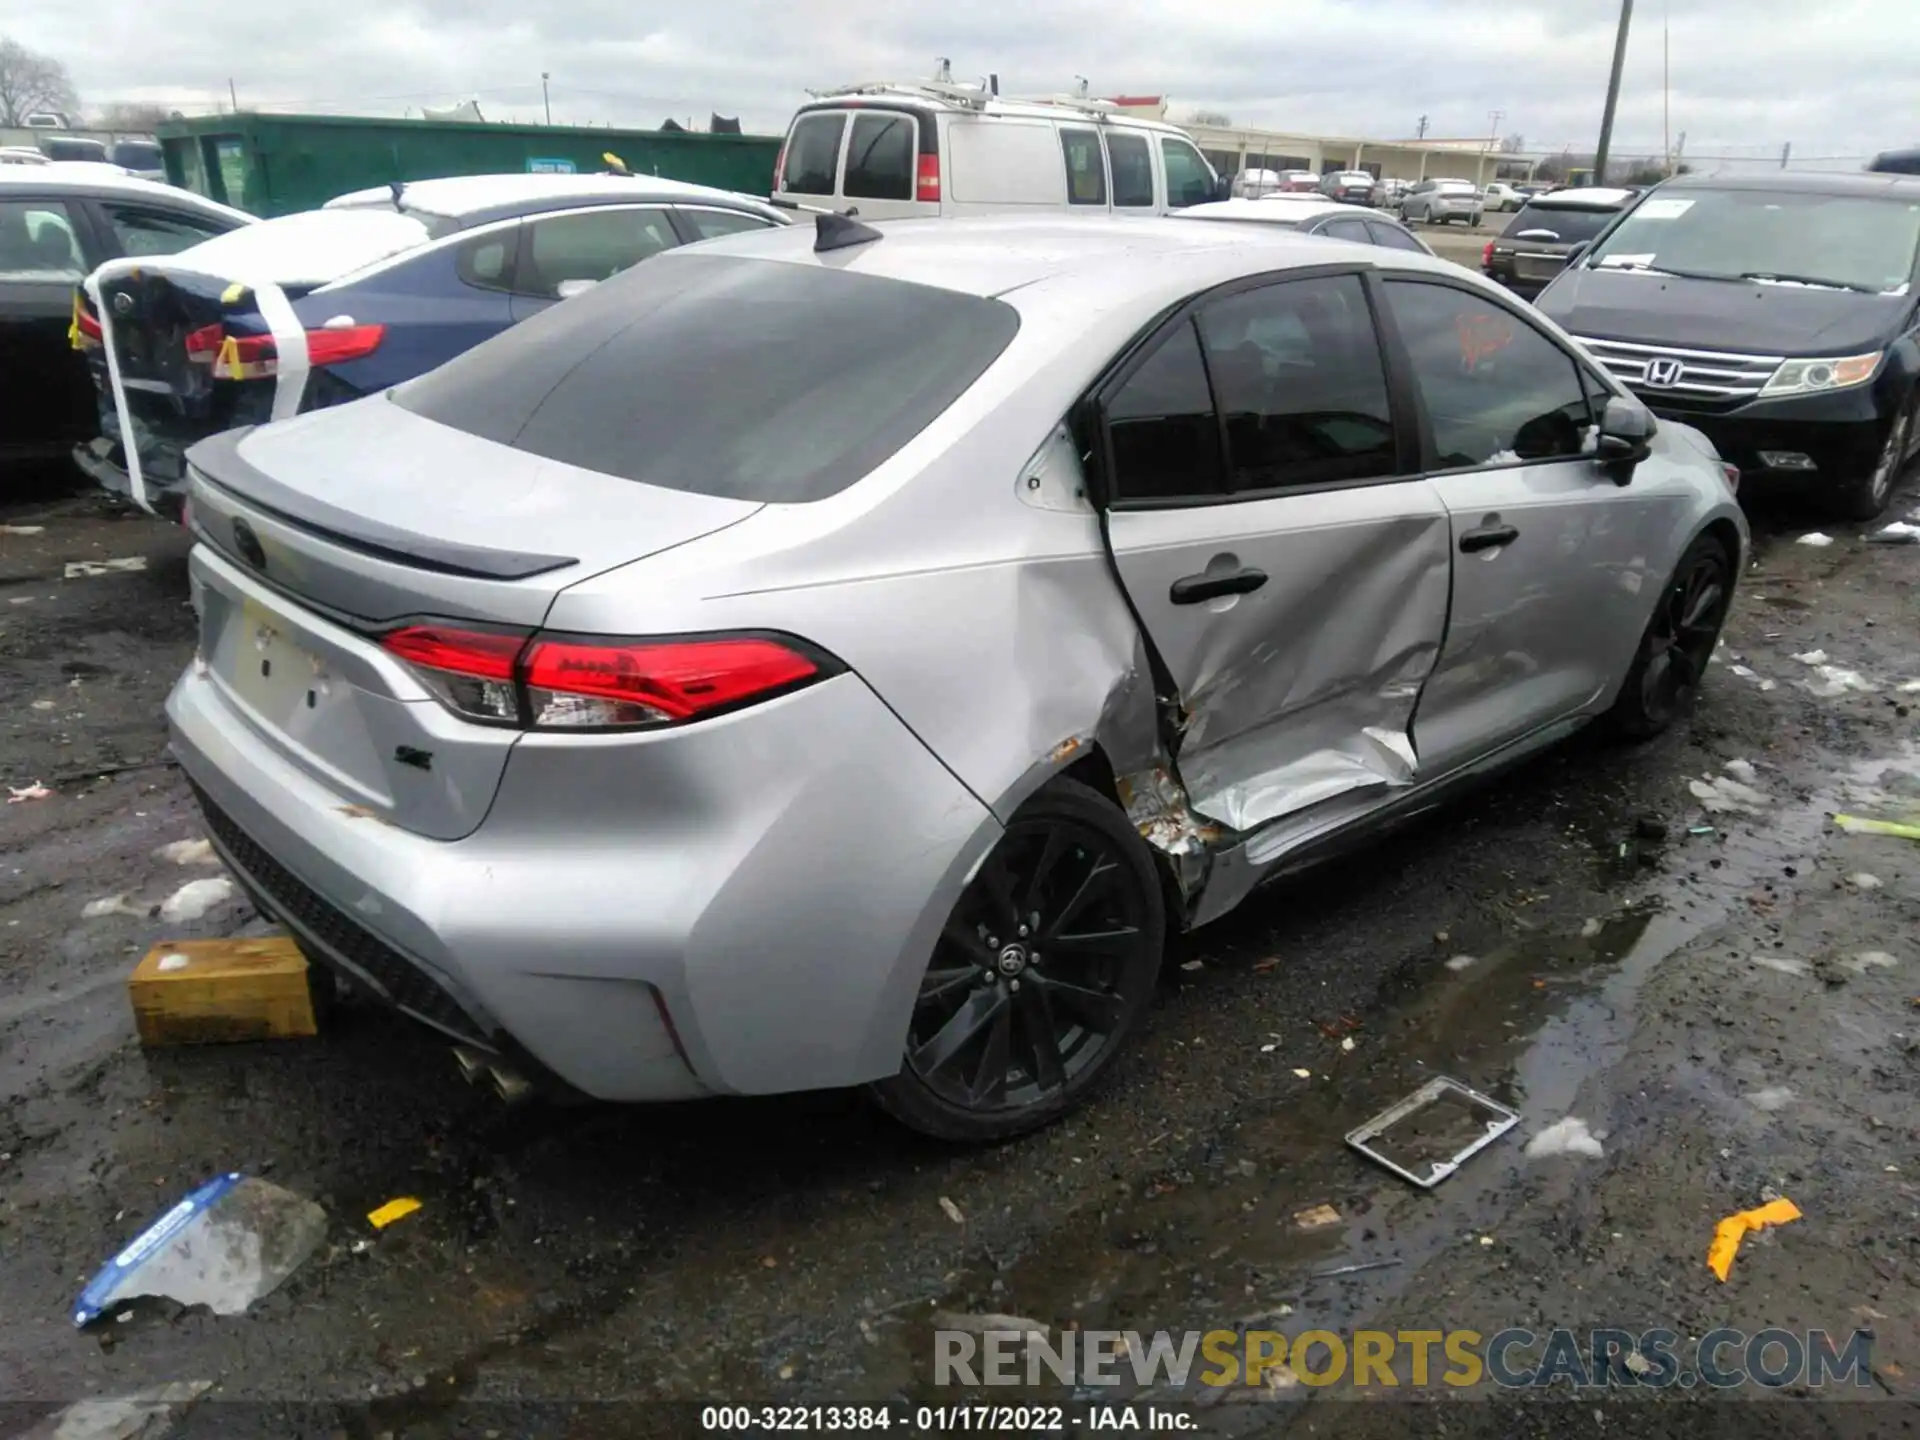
pixel 1039 975
pixel 1680 639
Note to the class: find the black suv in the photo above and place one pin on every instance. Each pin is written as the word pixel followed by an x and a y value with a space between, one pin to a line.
pixel 1775 312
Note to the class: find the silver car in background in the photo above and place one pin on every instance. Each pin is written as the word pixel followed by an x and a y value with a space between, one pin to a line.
pixel 1440 202
pixel 840 656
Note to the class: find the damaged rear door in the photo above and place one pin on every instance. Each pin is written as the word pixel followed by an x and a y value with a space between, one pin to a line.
pixel 1294 585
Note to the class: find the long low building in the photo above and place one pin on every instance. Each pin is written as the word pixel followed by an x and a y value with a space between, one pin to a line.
pixel 1233 148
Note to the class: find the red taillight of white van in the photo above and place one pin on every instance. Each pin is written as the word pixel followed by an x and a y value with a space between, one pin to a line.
pixel 927 186
pixel 565 682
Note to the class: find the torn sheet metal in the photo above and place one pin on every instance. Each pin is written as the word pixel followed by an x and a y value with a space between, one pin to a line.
pixel 1304 688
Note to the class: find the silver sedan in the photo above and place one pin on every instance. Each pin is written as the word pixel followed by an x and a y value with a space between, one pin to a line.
pixel 841 656
pixel 1440 202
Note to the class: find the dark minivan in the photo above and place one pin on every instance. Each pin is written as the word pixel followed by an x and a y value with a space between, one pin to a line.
pixel 1776 313
pixel 1531 252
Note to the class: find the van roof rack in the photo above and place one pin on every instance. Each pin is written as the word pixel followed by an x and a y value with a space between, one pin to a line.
pixel 974 97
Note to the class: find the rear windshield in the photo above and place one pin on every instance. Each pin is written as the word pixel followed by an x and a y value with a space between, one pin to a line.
pixel 1569 226
pixel 137 155
pixel 722 375
pixel 74 149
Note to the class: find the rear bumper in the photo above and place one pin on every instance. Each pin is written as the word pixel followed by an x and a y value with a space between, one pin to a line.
pixel 744 906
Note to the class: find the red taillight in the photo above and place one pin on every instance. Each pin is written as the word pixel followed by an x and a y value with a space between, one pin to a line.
pixel 1486 256
pixel 780 168
pixel 595 684
pixel 929 179
pixel 256 357
pixel 471 671
pixel 1732 472
pixel 587 684
pixel 86 327
pixel 335 344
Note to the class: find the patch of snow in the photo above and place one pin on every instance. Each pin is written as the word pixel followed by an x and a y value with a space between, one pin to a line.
pixel 1864 881
pixel 1741 770
pixel 1812 657
pixel 194 899
pixel 1783 964
pixel 1815 539
pixel 189 852
pixel 1462 962
pixel 1565 1137
pixel 1774 1097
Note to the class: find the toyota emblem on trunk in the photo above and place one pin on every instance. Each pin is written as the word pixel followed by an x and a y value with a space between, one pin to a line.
pixel 1664 372
pixel 248 544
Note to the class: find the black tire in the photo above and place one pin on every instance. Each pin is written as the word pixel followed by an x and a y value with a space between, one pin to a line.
pixel 1865 496
pixel 1672 659
pixel 1008 1034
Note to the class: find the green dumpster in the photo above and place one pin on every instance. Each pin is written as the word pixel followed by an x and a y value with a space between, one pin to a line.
pixel 277 164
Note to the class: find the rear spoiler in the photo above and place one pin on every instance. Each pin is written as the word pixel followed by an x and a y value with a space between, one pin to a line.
pixel 289 338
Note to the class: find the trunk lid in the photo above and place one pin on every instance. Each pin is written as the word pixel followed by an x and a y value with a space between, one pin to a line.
pixel 321 533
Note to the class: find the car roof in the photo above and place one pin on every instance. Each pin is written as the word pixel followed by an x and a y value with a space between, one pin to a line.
pixel 1867 184
pixel 92 178
pixel 473 198
pixel 1271 209
pixel 1124 261
pixel 1589 198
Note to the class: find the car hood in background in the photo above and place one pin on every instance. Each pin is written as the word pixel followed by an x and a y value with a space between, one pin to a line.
pixel 307 249
pixel 1746 315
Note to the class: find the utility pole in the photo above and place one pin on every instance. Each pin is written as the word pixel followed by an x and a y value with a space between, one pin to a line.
pixel 1666 94
pixel 545 102
pixel 233 95
pixel 1613 93
pixel 1786 151
pixel 1493 132
pixel 1423 129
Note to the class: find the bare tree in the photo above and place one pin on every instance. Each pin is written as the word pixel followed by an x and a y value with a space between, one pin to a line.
pixel 131 115
pixel 31 83
pixel 1211 117
pixel 1514 144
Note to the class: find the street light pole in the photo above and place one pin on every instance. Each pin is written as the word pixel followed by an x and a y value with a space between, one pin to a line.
pixel 545 102
pixel 1613 93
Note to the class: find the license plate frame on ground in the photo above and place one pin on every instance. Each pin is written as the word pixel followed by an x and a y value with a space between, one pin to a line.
pixel 1367 1138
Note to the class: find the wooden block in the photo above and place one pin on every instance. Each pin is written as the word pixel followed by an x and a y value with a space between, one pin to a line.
pixel 204 992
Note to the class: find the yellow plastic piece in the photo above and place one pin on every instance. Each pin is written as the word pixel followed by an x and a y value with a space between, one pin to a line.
pixel 233 294
pixel 1853 824
pixel 393 1210
pixel 1728 1234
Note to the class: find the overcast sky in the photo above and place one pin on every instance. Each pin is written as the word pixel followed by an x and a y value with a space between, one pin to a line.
pixel 1747 75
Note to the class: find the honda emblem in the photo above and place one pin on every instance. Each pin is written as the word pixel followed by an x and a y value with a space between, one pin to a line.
pixel 1664 372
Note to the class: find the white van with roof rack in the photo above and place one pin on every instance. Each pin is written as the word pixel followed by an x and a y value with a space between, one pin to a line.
pixel 889 151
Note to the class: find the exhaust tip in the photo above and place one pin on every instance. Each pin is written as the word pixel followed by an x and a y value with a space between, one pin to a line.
pixel 510 1085
pixel 472 1063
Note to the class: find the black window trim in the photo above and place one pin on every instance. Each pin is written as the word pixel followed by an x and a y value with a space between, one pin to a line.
pixel 1146 144
pixel 92 231
pixel 463 241
pixel 1393 343
pixel 521 264
pixel 1090 413
pixel 845 115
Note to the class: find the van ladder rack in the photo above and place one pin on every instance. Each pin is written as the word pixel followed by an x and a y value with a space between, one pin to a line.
pixel 973 97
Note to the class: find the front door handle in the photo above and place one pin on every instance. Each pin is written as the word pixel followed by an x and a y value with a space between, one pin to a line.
pixel 1488 537
pixel 1192 589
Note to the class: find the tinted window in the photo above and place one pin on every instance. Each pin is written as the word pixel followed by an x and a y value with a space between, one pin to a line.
pixel 1347 228
pixel 1086 171
pixel 813 155
pixel 683 374
pixel 1568 224
pixel 591 245
pixel 1298 373
pixel 148 232
pixel 74 149
pixel 880 158
pixel 1393 237
pixel 487 260
pixel 711 224
pixel 1166 437
pixel 1189 182
pixel 1132 165
pixel 137 155
pixel 37 242
pixel 1497 391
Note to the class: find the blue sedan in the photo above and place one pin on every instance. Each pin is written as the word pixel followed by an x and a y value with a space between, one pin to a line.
pixel 323 307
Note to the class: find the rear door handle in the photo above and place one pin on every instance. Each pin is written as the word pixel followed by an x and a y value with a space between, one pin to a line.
pixel 1192 589
pixel 1488 537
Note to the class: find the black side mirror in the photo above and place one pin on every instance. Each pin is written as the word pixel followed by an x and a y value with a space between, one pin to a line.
pixel 1573 255
pixel 1223 188
pixel 1626 438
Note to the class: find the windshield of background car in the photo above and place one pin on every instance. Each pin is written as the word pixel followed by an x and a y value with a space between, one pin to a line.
pixel 1569 225
pixel 137 155
pixel 1850 241
pixel 727 376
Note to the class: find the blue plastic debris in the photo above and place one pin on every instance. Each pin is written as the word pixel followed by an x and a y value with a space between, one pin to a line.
pixel 229 1242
